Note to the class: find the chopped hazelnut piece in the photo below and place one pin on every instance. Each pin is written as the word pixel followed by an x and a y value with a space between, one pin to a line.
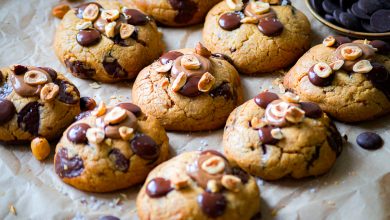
pixel 115 116
pixel 329 41
pixel 91 12
pixel 363 66
pixel 35 77
pixel 336 65
pixel 202 51
pixel 235 5
pixel 260 7
pixel 101 110
pixel 322 70
pixel 126 133
pixel 231 183
pixel 190 62
pixel 126 30
pixel 351 52
pixel 212 186
pixel 179 82
pixel 110 29
pixel 249 20
pixel 213 165
pixel 206 82
pixel 95 135
pixel 277 133
pixel 290 97
pixel 49 92
pixel 110 15
pixel 60 10
pixel 295 114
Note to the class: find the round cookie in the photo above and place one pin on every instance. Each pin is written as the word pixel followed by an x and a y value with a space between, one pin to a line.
pixel 176 13
pixel 350 89
pixel 198 185
pixel 274 136
pixel 35 101
pixel 110 148
pixel 258 38
pixel 106 41
pixel 189 90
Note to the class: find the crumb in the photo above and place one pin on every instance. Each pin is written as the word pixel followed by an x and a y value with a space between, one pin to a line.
pixel 12 209
pixel 95 85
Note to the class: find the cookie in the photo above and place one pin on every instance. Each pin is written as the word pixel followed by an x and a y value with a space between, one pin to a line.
pixel 259 38
pixel 274 136
pixel 110 148
pixel 106 41
pixel 176 13
pixel 349 80
pixel 189 89
pixel 35 101
pixel 198 185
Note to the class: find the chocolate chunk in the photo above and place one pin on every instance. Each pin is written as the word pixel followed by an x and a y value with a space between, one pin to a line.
pixel 212 204
pixel 80 9
pixel 369 141
pixel 131 108
pixel 67 167
pixel 136 17
pixel 317 5
pixel 230 20
pixel 222 57
pixel 79 69
pixel 120 161
pixel 270 26
pixel 109 217
pixel 187 9
pixel 170 56
pixel 336 15
pixel 330 18
pixel 128 42
pixel 87 103
pixel 380 78
pixel 88 37
pixel 380 20
pixel 68 93
pixel 145 147
pixel 358 12
pixel 334 139
pixel 350 21
pixel 82 115
pixel 329 6
pixel 265 135
pixel 369 6
pixel 312 110
pixel 190 89
pixel 20 69
pixel 53 74
pixel 158 187
pixel 222 90
pixel 78 133
pixel 265 98
pixel 238 172
pixel 319 81
pixel 113 68
pixel 382 46
pixel 340 40
pixel 29 118
pixel 7 110
pixel 366 25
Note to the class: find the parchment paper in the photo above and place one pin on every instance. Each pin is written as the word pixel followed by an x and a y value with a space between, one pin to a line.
pixel 358 186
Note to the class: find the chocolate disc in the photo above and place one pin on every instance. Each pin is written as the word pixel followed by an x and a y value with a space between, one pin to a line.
pixel 382 46
pixel 349 21
pixel 212 204
pixel 369 141
pixel 270 26
pixel 190 89
pixel 7 110
pixel 369 6
pixel 88 37
pixel 20 69
pixel 77 133
pixel 312 110
pixel 136 17
pixel 170 56
pixel 319 81
pixel 186 10
pixel 230 20
pixel 67 167
pixel 145 147
pixel 330 18
pixel 380 20
pixel 329 6
pixel 358 12
pixel 158 187
pixel 265 135
pixel 336 15
pixel 131 108
pixel 264 98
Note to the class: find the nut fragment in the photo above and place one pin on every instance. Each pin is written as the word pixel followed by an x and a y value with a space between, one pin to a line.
pixel 35 77
pixel 329 41
pixel 257 123
pixel 179 82
pixel 213 165
pixel 49 92
pixel 115 116
pixel 165 83
pixel 231 183
pixel 249 20
pixel 351 52
pixel 84 25
pixel 126 30
pixel 180 181
pixel 126 133
pixel 260 7
pixel 95 135
pixel 276 133
pixel 110 15
pixel 212 186
pixel 101 110
pixel 206 82
pixel 202 51
pixel 290 97
pixel 336 65
pixel 163 68
pixel 295 114
pixel 91 12
pixel 322 70
pixel 60 10
pixel 40 148
pixel 235 5
pixel 190 62
pixel 110 29
pixel 363 66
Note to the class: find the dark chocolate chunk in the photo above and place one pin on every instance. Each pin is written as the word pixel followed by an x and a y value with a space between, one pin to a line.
pixel 29 118
pixel 88 37
pixel 79 69
pixel 369 6
pixel 270 26
pixel 7 110
pixel 238 172
pixel 312 110
pixel 350 21
pixel 190 89
pixel 329 6
pixel 319 81
pixel 66 95
pixel 212 204
pixel 223 57
pixel 20 69
pixel 113 68
pixel 131 108
pixel 136 17
pixel 265 135
pixel 317 5
pixel 222 90
pixel 369 141
pixel 265 98
pixel 366 25
pixel 340 40
pixel 67 167
pixel 170 56
pixel 120 161
pixel 336 15
pixel 384 3
pixel 53 74
pixel 158 187
pixel 145 147
pixel 187 9
pixel 334 139
pixel 382 46
pixel 230 20
pixel 109 217
pixel 358 12
pixel 87 103
pixel 380 78
pixel 380 20
pixel 78 133
pixel 330 18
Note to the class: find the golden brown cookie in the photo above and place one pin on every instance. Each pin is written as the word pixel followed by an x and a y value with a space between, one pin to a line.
pixel 110 148
pixel 198 185
pixel 106 41
pixel 189 90
pixel 259 38
pixel 274 136
pixel 349 80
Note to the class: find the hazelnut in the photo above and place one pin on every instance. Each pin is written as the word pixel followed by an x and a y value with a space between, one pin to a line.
pixel 259 7
pixel 91 12
pixel 276 133
pixel 206 82
pixel 165 83
pixel 275 113
pixel 290 97
pixel 101 110
pixel 249 20
pixel 49 92
pixel 40 148
pixel 110 29
pixel 180 181
pixel 87 103
pixel 235 5
pixel 329 41
pixel 60 10
pixel 110 15
pixel 95 135
pixel 35 77
pixel 126 30
pixel 363 66
pixel 126 133
pixel 257 123
pixel 336 65
pixel 190 62
pixel 213 165
pixel 212 186
pixel 202 51
pixel 115 116
pixel 351 52
pixel 295 114
pixel 273 2
pixel 84 25
pixel 108 141
pixel 179 82
pixel 231 183
pixel 322 70
pixel 163 68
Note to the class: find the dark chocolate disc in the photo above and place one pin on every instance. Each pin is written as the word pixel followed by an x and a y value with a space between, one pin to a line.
pixel 270 26
pixel 53 74
pixel 264 98
pixel 186 10
pixel 67 167
pixel 265 135
pixel 382 46
pixel 20 69
pixel 319 81
pixel 369 6
pixel 136 17
pixel 87 104
pixel 88 37
pixel 312 110
pixel 158 187
pixel 350 21
pixel 78 133
pixel 145 147
pixel 212 204
pixel 380 20
pixel 369 141
pixel 190 89
pixel 358 12
pixel 329 6
pixel 170 56
pixel 131 108
pixel 230 20
pixel 7 110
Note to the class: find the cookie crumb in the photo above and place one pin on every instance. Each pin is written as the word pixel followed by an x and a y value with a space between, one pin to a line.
pixel 95 85
pixel 12 210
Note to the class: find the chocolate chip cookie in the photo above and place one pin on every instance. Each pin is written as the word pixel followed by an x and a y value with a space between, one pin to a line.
pixel 189 89
pixel 349 80
pixel 176 13
pixel 35 101
pixel 274 136
pixel 110 148
pixel 198 185
pixel 257 36
pixel 106 41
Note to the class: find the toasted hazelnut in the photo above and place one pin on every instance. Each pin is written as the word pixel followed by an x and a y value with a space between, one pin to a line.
pixel 126 133
pixel 95 135
pixel 290 97
pixel 277 133
pixel 329 41
pixel 212 186
pixel 91 12
pixel 202 51
pixel 206 82
pixel 273 2
pixel 249 20
pixel 180 181
pixel 275 113
pixel 213 165
pixel 108 141
pixel 336 65
pixel 163 68
pixel 126 30
pixel 40 148
pixel 101 110
pixel 35 77
pixel 60 10
pixel 235 5
pixel 322 70
pixel 260 7
pixel 110 15
pixel 49 92
pixel 115 116
pixel 179 82
pixel 231 183
pixel 257 123
pixel 351 52
pixel 363 66
pixel 295 114
pixel 190 62
pixel 84 25
pixel 165 83
pixel 110 29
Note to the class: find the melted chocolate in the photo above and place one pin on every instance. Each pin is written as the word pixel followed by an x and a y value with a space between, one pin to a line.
pixel 29 118
pixel 77 133
pixel 318 81
pixel 238 172
pixel 265 135
pixel 20 69
pixel 170 56
pixel 222 57
pixel 131 108
pixel 212 204
pixel 79 69
pixel 312 110
pixel 230 20
pixel 190 89
pixel 136 17
pixel 382 46
pixel 158 187
pixel 270 26
pixel 7 110
pixel 145 147
pixel 187 9
pixel 66 95
pixel 265 98
pixel 24 89
pixel 88 37
pixel 67 167
pixel 367 54
pixel 53 74
pixel 222 90
pixel 113 68
pixel 121 162
pixel 380 78
pixel 334 139
pixel 112 131
pixel 340 40
pixel 87 104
